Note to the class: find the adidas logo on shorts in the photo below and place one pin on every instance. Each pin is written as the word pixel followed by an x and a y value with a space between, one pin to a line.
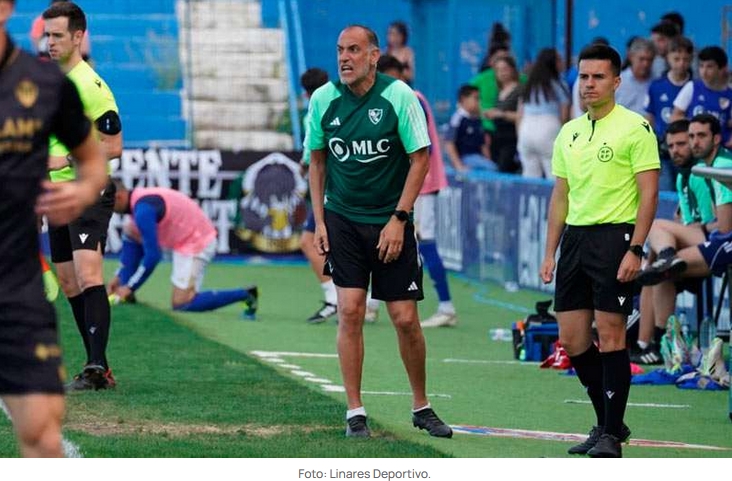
pixel 413 287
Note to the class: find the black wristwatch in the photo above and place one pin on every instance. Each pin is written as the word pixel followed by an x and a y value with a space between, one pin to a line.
pixel 637 249
pixel 401 215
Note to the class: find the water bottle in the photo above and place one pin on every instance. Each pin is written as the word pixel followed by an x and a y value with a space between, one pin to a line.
pixel 684 323
pixel 707 333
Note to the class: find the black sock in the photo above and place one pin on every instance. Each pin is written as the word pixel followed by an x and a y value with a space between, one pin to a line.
pixel 97 323
pixel 589 371
pixel 666 252
pixel 77 307
pixel 616 384
pixel 658 333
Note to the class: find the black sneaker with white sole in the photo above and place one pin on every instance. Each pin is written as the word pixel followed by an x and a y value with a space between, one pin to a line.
pixel 356 427
pixel 662 270
pixel 649 355
pixel 427 419
pixel 323 314
pixel 594 437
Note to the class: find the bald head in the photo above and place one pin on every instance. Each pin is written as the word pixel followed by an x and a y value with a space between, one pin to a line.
pixel 358 53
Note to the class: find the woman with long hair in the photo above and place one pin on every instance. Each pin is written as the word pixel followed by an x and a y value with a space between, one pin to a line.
pixel 504 115
pixel 396 46
pixel 544 107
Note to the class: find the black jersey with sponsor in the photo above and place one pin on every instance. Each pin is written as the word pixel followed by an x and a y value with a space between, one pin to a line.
pixel 36 100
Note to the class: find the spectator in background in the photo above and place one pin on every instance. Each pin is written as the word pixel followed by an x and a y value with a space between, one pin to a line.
pixel 504 115
pixel 498 37
pixel 709 93
pixel 696 207
pixel 487 86
pixel 425 213
pixel 635 80
pixel 310 81
pixel 578 107
pixel 40 42
pixel 396 46
pixel 659 101
pixel 662 34
pixel 676 18
pixel 464 139
pixel 543 109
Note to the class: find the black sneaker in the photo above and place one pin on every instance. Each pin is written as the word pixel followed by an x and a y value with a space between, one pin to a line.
pixel 593 438
pixel 79 383
pixel 649 355
pixel 323 314
pixel 661 270
pixel 97 376
pixel 608 446
pixel 356 427
pixel 427 419
pixel 251 303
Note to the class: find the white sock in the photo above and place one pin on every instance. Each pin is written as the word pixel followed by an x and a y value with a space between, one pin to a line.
pixel 359 411
pixel 642 344
pixel 446 307
pixel 329 292
pixel 428 405
pixel 372 304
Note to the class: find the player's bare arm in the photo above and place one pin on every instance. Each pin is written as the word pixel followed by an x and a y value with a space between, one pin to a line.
pixel 558 206
pixel 317 192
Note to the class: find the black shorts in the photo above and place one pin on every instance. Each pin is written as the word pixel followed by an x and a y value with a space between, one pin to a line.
pixel 30 356
pixel 354 258
pixel 588 267
pixel 85 233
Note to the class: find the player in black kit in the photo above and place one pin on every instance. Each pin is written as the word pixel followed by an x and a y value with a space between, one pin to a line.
pixel 36 100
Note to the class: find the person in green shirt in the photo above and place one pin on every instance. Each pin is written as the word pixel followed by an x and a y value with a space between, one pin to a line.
pixel 77 248
pixel 709 256
pixel 697 218
pixel 604 200
pixel 368 140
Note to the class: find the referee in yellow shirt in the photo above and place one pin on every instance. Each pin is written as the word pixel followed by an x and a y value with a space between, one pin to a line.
pixel 602 206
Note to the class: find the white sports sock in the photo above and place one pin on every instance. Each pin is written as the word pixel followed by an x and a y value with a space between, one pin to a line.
pixel 372 304
pixel 446 307
pixel 428 405
pixel 642 344
pixel 329 292
pixel 359 411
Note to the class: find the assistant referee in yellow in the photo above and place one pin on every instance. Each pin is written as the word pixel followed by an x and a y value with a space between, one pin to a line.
pixel 602 206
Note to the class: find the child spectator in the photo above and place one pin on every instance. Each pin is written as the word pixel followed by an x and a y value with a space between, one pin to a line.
pixel 465 141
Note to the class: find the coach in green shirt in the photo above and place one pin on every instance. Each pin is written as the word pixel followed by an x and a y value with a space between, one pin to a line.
pixel 602 206
pixel 368 140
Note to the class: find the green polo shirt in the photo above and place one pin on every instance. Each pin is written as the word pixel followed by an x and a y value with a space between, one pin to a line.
pixel 600 159
pixel 695 197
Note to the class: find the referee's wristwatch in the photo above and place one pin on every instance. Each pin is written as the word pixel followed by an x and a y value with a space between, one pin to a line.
pixel 401 215
pixel 637 249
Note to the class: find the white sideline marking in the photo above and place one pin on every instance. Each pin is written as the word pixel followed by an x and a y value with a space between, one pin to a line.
pixel 268 354
pixel 274 360
pixel 71 450
pixel 318 380
pixel 638 405
pixel 290 366
pixel 484 361
pixel 325 383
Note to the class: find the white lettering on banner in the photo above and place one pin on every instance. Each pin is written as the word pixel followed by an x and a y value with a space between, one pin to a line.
pixel 221 212
pixel 532 240
pixel 449 230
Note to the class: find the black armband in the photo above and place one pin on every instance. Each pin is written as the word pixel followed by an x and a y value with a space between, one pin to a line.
pixel 109 123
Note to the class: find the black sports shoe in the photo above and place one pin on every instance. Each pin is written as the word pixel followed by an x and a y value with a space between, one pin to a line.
pixel 356 427
pixel 79 383
pixel 93 378
pixel 608 446
pixel 323 314
pixel 251 303
pixel 594 436
pixel 649 355
pixel 427 419
pixel 661 270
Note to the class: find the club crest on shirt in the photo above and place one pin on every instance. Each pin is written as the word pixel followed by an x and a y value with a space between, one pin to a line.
pixel 27 93
pixel 605 154
pixel 723 103
pixel 375 115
